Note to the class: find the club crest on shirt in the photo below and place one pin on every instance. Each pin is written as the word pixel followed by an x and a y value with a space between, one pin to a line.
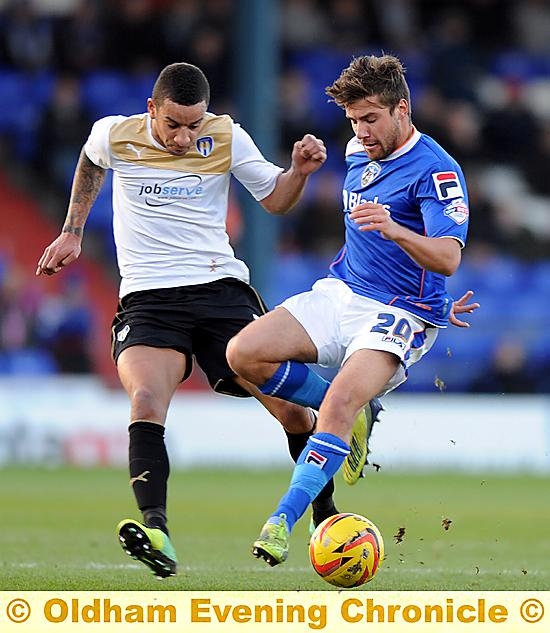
pixel 204 145
pixel 457 210
pixel 370 172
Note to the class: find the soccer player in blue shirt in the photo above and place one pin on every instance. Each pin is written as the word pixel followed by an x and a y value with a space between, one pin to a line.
pixel 380 309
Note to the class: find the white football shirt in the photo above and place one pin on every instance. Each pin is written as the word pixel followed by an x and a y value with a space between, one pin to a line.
pixel 169 212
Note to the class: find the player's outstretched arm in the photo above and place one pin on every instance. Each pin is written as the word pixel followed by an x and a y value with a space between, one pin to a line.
pixel 308 155
pixel 461 306
pixel 87 181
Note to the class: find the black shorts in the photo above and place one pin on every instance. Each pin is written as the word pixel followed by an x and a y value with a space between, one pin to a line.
pixel 197 321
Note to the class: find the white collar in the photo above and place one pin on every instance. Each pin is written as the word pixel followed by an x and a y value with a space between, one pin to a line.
pixel 406 147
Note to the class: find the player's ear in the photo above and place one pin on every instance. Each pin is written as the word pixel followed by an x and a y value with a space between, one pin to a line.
pixel 151 108
pixel 404 108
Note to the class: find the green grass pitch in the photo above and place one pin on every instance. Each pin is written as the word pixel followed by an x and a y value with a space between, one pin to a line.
pixel 58 531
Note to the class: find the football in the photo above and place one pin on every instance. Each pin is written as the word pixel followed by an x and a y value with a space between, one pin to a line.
pixel 346 550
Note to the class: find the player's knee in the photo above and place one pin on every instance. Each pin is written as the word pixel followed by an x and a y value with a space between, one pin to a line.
pixel 338 406
pixel 147 405
pixel 294 418
pixel 232 354
pixel 241 356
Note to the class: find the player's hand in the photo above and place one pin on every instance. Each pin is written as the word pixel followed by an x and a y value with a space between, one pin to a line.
pixel 461 306
pixel 371 216
pixel 61 252
pixel 308 155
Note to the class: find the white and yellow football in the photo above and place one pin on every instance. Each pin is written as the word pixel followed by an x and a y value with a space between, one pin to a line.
pixel 346 550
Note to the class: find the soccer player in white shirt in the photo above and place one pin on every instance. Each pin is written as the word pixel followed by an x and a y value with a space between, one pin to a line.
pixel 183 293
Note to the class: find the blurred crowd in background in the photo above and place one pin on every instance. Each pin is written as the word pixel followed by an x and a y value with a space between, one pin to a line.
pixel 479 72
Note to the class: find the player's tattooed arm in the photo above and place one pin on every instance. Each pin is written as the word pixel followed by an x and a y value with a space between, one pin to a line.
pixel 88 180
pixel 66 248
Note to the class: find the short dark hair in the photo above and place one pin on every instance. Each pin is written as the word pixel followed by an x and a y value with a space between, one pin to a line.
pixel 182 83
pixel 370 76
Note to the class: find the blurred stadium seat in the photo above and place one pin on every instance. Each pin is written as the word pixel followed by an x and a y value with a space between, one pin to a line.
pixel 106 93
pixel 20 114
pixel 33 362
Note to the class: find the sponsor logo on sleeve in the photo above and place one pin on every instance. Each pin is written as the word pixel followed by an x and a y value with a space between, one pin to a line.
pixel 205 145
pixel 457 210
pixel 315 458
pixel 447 185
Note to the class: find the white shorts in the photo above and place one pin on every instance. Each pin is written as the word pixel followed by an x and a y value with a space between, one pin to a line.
pixel 340 322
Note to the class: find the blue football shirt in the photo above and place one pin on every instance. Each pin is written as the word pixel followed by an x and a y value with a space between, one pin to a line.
pixel 424 189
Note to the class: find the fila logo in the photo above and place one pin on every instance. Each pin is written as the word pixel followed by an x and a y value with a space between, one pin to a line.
pixel 315 458
pixel 393 339
pixel 447 185
pixel 134 149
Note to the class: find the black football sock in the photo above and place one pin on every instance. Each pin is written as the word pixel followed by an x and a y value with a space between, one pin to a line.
pixel 155 517
pixel 323 504
pixel 149 470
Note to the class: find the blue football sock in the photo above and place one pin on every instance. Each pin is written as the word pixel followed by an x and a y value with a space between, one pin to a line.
pixel 296 382
pixel 318 462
